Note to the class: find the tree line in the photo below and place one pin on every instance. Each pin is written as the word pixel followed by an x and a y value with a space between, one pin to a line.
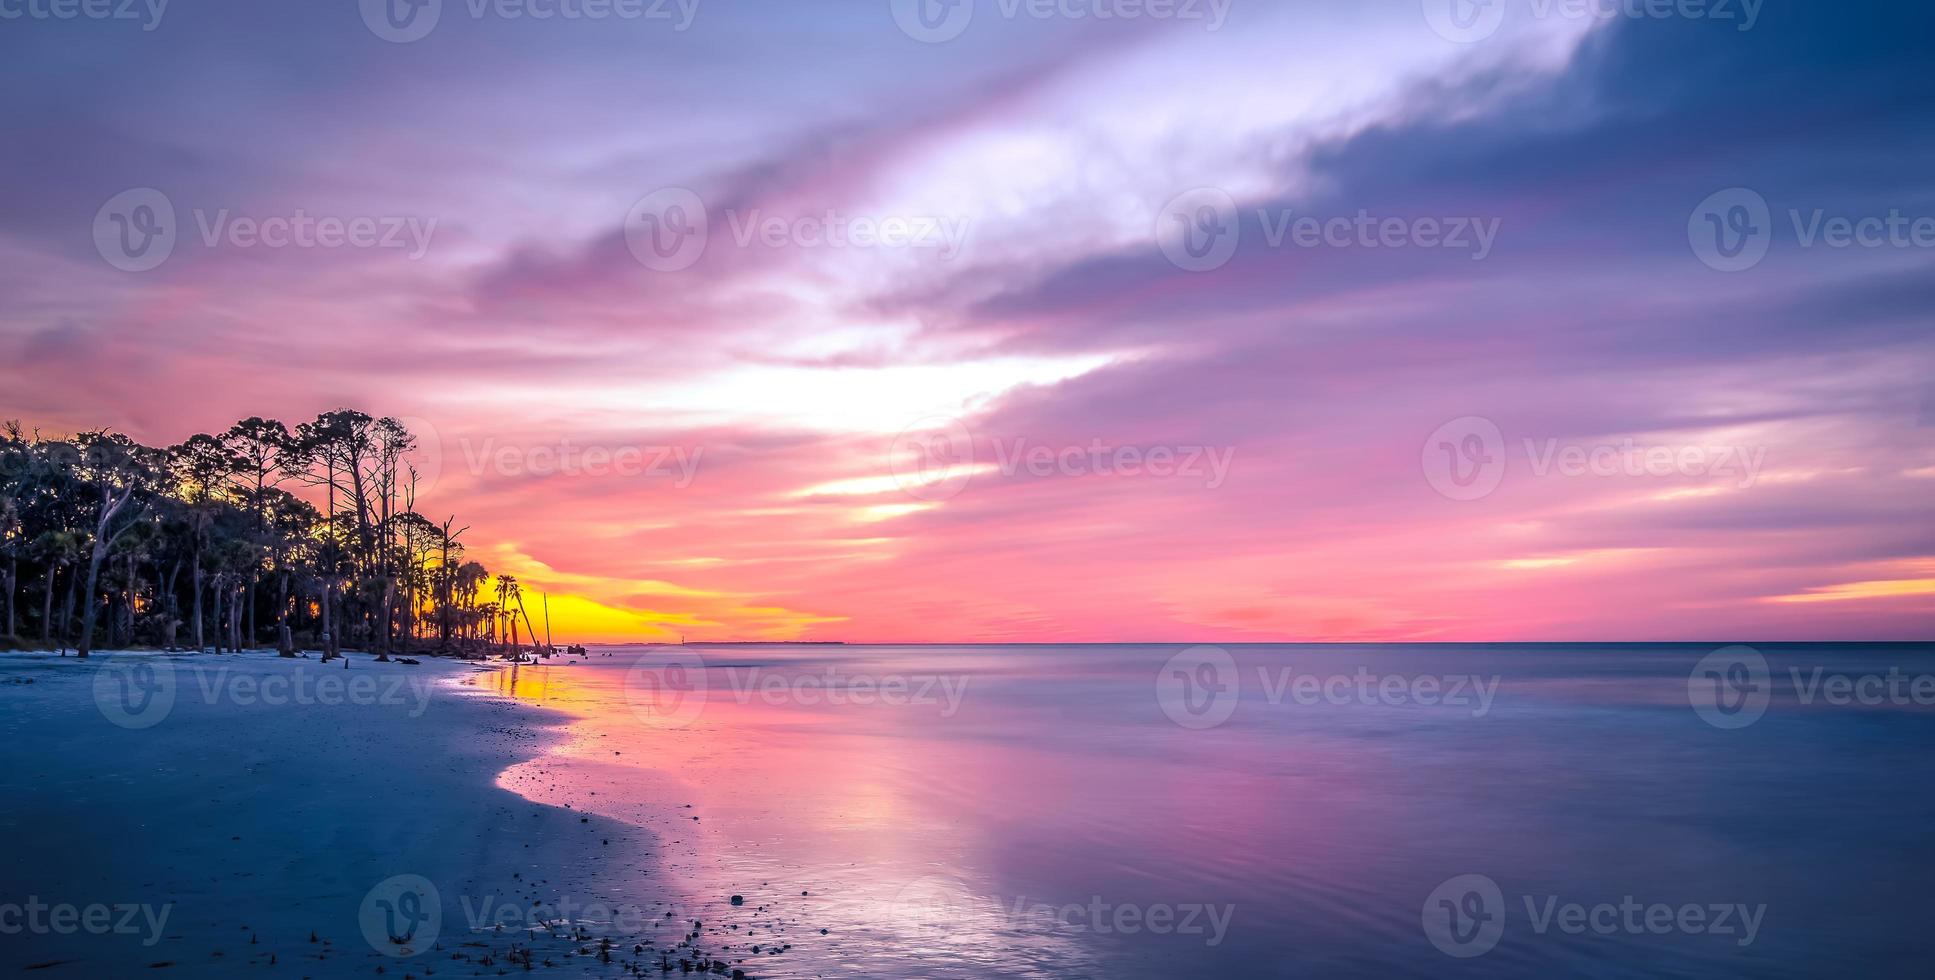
pixel 303 538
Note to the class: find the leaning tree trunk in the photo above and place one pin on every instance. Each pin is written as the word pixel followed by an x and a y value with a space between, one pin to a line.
pixel 528 628
pixel 94 559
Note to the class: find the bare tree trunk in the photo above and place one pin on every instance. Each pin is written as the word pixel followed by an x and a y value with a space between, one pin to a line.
pixel 13 601
pixel 217 590
pixel 171 610
pixel 67 608
pixel 389 617
pixel 284 643
pixel 201 640
pixel 94 559
pixel 47 606
pixel 329 620
pixel 127 602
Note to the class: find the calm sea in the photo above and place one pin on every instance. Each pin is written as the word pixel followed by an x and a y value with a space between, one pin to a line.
pixel 1170 811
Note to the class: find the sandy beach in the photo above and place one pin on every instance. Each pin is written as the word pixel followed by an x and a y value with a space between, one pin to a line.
pixel 934 813
pixel 226 814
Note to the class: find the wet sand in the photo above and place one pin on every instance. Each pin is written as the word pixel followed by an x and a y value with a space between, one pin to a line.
pixel 251 810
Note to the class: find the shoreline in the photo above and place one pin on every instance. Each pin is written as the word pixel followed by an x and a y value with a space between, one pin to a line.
pixel 269 816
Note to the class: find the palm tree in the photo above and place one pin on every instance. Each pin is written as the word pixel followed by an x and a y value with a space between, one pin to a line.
pixel 508 592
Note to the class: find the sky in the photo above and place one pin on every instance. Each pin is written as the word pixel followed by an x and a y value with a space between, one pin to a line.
pixel 1092 320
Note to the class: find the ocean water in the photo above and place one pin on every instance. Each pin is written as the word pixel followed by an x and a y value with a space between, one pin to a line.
pixel 1129 811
